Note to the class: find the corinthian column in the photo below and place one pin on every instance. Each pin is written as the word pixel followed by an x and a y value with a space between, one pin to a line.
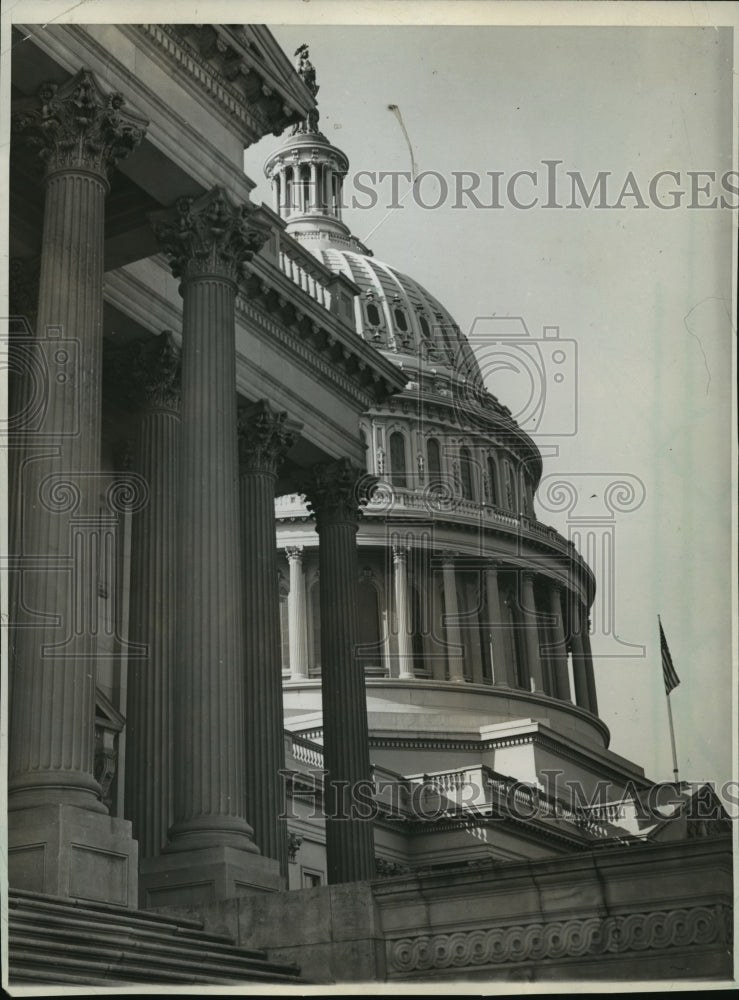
pixel 400 580
pixel 588 663
pixel 335 492
pixel 531 632
pixel 208 241
pixel 54 801
pixel 451 618
pixel 264 438
pixel 296 611
pixel 503 672
pixel 579 672
pixel 154 369
pixel 559 651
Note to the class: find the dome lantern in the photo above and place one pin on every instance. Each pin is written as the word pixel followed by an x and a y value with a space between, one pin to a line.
pixel 307 175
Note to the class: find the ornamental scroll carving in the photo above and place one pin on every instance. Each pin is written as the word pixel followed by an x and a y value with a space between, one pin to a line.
pixel 210 235
pixel 76 126
pixel 592 936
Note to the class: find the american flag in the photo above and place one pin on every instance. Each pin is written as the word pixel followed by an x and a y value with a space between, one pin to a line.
pixel 668 671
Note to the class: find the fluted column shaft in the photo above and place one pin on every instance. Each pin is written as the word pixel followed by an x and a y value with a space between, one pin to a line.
pixel 579 673
pixel 559 652
pixel 402 617
pixel 588 663
pixel 264 436
pixel 332 490
pixel 154 574
pixel 297 615
pixel 531 632
pixel 455 656
pixel 502 666
pixel 53 694
pixel 209 790
pixel 207 242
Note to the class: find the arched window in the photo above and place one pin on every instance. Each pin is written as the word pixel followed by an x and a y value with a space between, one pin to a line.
pixel 305 181
pixel 465 471
pixel 425 328
pixel 398 460
pixel 433 456
pixel 369 638
pixel 510 485
pixel 417 631
pixel 288 190
pixel 493 497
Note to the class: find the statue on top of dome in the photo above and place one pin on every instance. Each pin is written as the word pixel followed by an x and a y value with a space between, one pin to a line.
pixel 307 73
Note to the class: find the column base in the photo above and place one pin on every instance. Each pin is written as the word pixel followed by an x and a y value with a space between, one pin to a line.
pixel 71 852
pixel 205 875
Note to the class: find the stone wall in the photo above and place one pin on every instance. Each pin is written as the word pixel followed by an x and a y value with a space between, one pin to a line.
pixel 658 912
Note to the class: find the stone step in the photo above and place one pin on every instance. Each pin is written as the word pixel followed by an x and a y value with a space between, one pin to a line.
pixel 112 927
pixel 67 941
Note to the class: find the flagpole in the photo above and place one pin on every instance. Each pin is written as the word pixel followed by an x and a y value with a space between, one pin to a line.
pixel 672 740
pixel 671 680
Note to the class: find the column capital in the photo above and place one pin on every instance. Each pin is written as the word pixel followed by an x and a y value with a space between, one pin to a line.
pixel 448 557
pixel 294 553
pixel 210 236
pixel 265 435
pixel 146 372
pixel 77 126
pixel 493 565
pixel 528 576
pixel 401 552
pixel 336 491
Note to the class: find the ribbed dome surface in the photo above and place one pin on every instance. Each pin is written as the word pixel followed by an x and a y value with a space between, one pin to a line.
pixel 398 315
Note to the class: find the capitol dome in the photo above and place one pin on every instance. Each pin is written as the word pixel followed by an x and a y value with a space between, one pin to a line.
pixel 472 614
pixel 396 314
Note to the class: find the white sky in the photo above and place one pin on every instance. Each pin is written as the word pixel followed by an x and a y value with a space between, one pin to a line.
pixel 646 294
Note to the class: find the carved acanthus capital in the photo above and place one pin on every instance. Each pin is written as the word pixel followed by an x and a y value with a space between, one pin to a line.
pixel 294 553
pixel 146 372
pixel 336 491
pixel 76 126
pixel 265 436
pixel 210 235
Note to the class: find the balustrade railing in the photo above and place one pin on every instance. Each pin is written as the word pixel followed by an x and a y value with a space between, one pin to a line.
pixel 388 499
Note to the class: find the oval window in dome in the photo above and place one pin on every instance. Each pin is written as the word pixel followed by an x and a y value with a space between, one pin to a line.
pixel 425 328
pixel 400 320
pixel 373 314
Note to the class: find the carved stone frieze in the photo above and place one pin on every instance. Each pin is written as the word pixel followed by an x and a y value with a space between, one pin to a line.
pixel 562 939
